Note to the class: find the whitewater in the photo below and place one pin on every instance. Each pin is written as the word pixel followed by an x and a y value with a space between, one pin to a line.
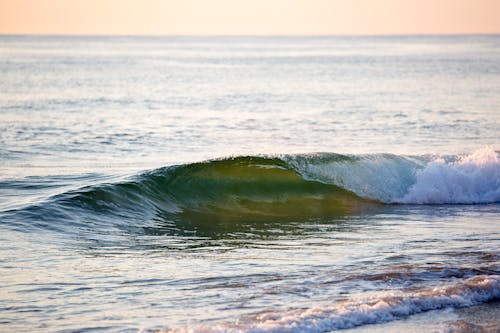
pixel 249 184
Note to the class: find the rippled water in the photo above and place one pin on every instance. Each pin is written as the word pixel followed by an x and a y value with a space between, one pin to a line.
pixel 249 184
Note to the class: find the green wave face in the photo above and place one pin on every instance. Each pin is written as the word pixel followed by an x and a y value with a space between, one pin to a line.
pixel 252 187
pixel 229 190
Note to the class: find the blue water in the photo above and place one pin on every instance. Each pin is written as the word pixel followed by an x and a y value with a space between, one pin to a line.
pixel 248 184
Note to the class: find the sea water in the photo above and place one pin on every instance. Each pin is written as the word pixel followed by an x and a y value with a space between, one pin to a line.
pixel 249 184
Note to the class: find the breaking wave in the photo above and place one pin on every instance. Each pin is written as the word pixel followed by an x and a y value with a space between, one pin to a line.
pixel 356 312
pixel 287 187
pixel 471 179
pixel 460 179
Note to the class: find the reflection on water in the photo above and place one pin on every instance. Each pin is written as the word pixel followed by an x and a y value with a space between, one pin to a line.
pixel 124 278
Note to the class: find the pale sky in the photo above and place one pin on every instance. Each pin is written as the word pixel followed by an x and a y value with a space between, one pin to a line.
pixel 249 17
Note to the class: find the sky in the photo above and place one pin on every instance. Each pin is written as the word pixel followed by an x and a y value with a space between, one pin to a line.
pixel 249 17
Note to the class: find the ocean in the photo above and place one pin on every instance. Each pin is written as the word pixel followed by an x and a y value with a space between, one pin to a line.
pixel 250 184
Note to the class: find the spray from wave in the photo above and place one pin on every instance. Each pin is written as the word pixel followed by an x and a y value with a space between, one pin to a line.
pixel 472 179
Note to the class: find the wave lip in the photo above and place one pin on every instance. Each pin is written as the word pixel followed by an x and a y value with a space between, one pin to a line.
pixel 472 179
pixel 352 313
pixel 387 178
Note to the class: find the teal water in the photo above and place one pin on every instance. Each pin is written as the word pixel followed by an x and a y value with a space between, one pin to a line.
pixel 248 184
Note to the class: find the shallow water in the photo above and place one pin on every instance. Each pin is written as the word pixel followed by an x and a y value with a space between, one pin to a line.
pixel 248 184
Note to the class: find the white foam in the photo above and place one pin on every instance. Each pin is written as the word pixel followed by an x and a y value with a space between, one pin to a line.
pixel 472 179
pixel 380 308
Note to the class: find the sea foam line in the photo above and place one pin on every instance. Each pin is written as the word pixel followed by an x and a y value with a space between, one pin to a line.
pixel 381 308
pixel 472 179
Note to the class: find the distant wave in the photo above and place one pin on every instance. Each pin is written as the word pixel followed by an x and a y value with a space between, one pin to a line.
pixel 280 187
pixel 382 307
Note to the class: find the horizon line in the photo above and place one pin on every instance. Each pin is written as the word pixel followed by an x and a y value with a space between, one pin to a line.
pixel 451 34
